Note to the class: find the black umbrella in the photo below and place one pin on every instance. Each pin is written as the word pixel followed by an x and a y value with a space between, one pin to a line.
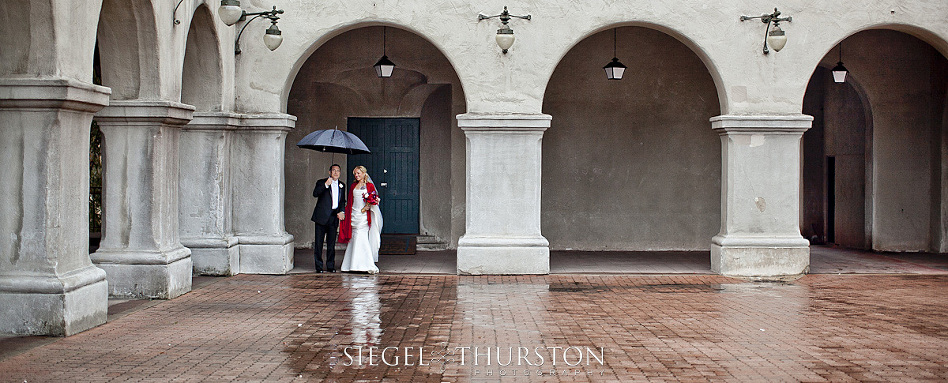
pixel 334 141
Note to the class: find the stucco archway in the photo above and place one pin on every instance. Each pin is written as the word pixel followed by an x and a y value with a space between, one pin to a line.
pixel 128 48
pixel 338 82
pixel 631 164
pixel 201 77
pixel 876 156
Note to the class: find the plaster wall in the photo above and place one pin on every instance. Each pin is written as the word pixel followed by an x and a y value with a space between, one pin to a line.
pixel 902 130
pixel 633 161
pixel 44 39
pixel 339 82
pixel 747 81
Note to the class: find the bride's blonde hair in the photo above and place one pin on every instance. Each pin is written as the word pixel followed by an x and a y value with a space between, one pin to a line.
pixel 365 172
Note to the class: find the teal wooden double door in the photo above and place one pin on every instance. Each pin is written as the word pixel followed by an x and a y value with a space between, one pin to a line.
pixel 393 166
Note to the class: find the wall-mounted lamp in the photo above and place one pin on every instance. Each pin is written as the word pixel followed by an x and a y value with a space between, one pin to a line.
pixel 839 71
pixel 615 69
pixel 776 37
pixel 505 35
pixel 230 13
pixel 384 67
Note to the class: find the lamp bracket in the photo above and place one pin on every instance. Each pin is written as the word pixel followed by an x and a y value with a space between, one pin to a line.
pixel 174 15
pixel 773 18
pixel 271 14
pixel 766 19
pixel 504 16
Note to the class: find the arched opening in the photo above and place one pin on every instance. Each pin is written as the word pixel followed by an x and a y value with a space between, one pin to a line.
pixel 123 33
pixel 126 40
pixel 407 120
pixel 96 141
pixel 201 79
pixel 875 159
pixel 631 164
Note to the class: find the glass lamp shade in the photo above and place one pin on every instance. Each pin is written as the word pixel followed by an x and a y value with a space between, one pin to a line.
pixel 273 38
pixel 384 67
pixel 614 70
pixel 230 11
pixel 839 73
pixel 777 39
pixel 505 38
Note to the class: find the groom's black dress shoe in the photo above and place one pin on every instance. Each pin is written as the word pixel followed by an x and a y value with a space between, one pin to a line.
pixel 332 270
pixel 318 271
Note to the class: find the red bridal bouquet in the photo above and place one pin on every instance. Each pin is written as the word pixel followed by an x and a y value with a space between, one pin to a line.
pixel 370 199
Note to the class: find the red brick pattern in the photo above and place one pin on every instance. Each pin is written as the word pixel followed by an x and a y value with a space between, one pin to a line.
pixel 650 328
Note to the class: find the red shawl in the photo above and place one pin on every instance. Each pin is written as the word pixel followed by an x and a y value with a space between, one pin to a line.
pixel 345 228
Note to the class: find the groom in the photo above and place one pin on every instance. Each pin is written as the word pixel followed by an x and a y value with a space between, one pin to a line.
pixel 330 196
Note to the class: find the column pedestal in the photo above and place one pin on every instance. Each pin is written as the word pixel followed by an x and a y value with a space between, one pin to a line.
pixel 205 198
pixel 140 250
pixel 503 195
pixel 760 196
pixel 257 156
pixel 48 285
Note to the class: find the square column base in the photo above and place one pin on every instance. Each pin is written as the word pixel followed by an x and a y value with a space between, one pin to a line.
pixel 146 275
pixel 760 259
pixel 58 306
pixel 500 256
pixel 220 258
pixel 266 255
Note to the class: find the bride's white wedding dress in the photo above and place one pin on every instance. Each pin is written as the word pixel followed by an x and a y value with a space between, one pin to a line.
pixel 363 249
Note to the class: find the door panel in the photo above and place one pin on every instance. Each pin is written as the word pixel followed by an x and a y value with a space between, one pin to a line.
pixel 393 166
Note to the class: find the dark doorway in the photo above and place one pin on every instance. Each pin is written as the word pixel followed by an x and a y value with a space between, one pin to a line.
pixel 393 166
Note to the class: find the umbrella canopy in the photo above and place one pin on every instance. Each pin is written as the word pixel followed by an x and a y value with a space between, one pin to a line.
pixel 334 141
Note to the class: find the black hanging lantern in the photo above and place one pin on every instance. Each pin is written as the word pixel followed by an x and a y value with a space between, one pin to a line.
pixel 384 67
pixel 615 69
pixel 839 71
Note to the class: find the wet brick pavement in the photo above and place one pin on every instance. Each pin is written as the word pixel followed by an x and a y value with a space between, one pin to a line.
pixel 305 327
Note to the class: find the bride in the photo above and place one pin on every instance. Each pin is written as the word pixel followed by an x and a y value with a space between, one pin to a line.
pixel 362 225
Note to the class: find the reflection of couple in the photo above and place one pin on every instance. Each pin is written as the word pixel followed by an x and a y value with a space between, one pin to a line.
pixel 361 221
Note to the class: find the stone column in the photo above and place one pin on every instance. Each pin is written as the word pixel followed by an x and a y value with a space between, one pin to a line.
pixel 760 197
pixel 206 193
pixel 503 195
pixel 48 285
pixel 140 250
pixel 257 155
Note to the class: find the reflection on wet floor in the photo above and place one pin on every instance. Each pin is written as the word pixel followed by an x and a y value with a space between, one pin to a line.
pixel 436 328
pixel 365 326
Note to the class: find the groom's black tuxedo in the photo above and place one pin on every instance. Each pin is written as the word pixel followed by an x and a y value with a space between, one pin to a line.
pixel 323 213
pixel 327 222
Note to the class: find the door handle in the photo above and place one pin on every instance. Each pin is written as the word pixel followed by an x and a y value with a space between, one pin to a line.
pixel 384 184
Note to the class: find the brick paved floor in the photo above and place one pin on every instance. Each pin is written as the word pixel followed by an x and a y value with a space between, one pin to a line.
pixel 301 327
